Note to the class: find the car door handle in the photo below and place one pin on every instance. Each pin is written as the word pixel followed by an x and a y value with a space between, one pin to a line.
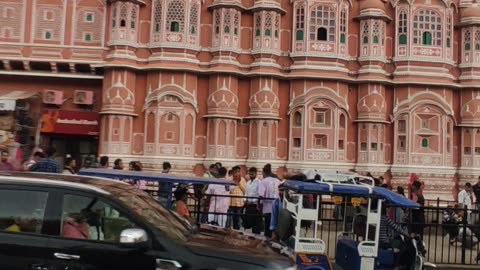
pixel 66 256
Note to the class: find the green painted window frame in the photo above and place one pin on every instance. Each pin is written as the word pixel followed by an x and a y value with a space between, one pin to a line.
pixel 299 35
pixel 174 27
pixel 424 142
pixel 427 39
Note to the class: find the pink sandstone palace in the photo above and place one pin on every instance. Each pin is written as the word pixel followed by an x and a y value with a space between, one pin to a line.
pixel 387 87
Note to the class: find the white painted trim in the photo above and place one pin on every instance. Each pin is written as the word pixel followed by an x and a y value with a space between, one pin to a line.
pixel 54 75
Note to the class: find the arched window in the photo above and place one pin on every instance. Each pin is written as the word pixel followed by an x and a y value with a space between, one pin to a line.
pixel 402 27
pixel 427 28
pixel 123 23
pixel 48 35
pixel 365 33
pixel 322 34
pixel 322 24
pixel 300 22
pixel 297 119
pixel 88 37
pixel 193 20
pixel 175 19
pixel 466 40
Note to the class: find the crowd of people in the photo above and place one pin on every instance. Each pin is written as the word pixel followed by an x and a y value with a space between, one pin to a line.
pixel 248 203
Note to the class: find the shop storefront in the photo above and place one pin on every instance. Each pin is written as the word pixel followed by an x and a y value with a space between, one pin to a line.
pixel 72 133
pixel 19 114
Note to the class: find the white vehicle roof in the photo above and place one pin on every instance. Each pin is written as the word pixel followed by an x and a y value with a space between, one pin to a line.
pixel 328 176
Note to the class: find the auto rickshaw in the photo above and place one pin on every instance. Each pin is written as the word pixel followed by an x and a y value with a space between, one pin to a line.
pixel 351 254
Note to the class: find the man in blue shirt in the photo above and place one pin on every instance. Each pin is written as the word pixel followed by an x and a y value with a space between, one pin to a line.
pixel 48 165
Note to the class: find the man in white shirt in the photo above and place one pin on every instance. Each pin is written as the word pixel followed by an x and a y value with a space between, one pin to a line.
pixel 217 195
pixel 268 192
pixel 465 199
pixel 252 215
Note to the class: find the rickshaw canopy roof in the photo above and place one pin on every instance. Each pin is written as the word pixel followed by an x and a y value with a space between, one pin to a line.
pixel 350 190
pixel 152 176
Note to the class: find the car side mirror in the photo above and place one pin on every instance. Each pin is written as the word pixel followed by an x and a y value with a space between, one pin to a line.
pixel 133 237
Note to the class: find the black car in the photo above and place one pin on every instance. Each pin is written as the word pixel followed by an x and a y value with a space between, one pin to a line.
pixel 50 222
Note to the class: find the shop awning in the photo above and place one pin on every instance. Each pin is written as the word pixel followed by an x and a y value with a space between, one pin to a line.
pixel 8 99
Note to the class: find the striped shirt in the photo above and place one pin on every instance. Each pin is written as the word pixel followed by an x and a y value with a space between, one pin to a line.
pixel 386 223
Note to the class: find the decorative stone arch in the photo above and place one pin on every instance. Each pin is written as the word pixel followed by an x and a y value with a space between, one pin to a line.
pixel 315 94
pixel 171 90
pixel 422 99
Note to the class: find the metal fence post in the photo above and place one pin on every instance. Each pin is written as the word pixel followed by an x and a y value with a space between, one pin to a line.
pixel 464 236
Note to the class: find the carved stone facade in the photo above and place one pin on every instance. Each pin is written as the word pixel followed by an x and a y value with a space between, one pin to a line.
pixel 372 85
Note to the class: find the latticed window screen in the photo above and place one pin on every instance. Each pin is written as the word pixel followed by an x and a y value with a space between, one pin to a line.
pixel 365 33
pixel 123 16
pixel 193 19
pixel 175 21
pixel 477 40
pixel 227 20
pixel 427 28
pixel 133 18
pixel 343 25
pixel 277 25
pixel 322 24
pixel 236 23
pixel 217 21
pixel 402 27
pixel 467 40
pixel 258 24
pixel 157 16
pixel 268 25
pixel 300 23
pixel 376 32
